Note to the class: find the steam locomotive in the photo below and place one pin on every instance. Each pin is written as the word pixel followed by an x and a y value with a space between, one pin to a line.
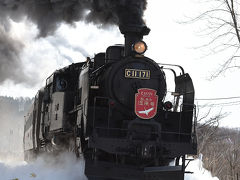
pixel 112 110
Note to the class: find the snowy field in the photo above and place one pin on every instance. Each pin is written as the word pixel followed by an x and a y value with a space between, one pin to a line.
pixel 66 167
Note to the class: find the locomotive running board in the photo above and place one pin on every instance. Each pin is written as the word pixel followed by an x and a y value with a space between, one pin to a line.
pixel 107 170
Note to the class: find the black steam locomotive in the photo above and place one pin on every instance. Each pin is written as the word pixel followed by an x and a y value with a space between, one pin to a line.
pixel 112 110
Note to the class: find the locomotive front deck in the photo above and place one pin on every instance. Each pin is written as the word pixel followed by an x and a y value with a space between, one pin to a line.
pixel 109 170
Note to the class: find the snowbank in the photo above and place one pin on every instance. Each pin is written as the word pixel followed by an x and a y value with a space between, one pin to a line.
pixel 199 172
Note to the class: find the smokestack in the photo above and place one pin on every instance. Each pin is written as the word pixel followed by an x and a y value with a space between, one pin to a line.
pixel 132 33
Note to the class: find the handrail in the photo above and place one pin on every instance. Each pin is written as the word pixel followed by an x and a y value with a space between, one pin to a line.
pixel 174 65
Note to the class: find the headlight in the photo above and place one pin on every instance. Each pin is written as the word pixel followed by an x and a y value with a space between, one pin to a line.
pixel 140 47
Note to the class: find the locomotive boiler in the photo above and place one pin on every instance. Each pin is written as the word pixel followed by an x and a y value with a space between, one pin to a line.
pixel 113 111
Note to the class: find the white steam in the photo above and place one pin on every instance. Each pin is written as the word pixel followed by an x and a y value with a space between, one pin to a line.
pixel 62 167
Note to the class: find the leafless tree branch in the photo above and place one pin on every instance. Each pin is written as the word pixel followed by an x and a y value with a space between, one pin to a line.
pixel 223 32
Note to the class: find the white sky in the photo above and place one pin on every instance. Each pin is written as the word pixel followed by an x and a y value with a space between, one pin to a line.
pixel 168 42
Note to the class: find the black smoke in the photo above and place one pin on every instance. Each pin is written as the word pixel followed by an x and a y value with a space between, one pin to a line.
pixel 48 15
pixel 10 62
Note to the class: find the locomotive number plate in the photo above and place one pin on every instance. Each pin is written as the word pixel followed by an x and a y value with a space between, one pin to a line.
pixel 137 73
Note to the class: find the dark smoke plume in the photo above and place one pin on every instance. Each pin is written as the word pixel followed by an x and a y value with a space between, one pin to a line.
pixel 10 64
pixel 49 14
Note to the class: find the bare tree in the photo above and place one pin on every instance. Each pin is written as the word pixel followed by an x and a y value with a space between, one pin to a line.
pixel 207 126
pixel 221 153
pixel 223 30
pixel 232 155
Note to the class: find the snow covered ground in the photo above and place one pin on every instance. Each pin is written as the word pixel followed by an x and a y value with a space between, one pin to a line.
pixel 199 172
pixel 66 167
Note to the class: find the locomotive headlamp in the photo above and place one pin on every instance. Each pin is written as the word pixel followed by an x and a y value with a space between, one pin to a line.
pixel 140 47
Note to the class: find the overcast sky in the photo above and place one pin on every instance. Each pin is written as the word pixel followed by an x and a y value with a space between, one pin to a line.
pixel 168 42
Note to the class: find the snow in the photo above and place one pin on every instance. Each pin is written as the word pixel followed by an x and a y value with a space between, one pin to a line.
pixel 64 167
pixel 200 173
pixel 67 167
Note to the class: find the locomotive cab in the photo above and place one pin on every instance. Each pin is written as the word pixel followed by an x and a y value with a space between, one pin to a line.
pixel 58 121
